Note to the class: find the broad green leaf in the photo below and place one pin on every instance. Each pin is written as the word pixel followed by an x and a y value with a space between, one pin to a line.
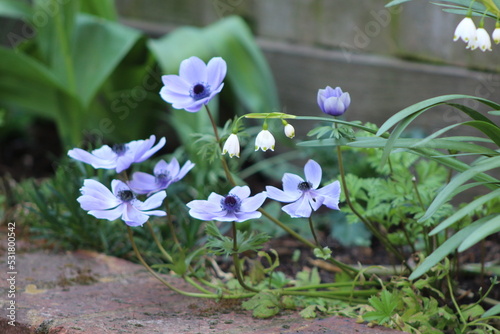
pixel 458 180
pixel 16 9
pixel 99 46
pixel 465 211
pixel 494 112
pixel 54 38
pixel 446 248
pixel 486 229
pixel 26 83
pixel 101 8
pixel 426 104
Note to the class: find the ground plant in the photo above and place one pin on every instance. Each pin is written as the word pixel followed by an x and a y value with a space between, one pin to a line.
pixel 209 211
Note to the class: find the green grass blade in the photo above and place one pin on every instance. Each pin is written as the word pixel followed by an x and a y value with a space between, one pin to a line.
pixel 426 104
pixel 458 180
pixel 464 211
pixel 445 249
pixel 488 228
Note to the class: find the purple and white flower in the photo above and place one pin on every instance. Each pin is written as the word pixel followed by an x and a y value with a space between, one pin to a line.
pixel 304 195
pixel 195 85
pixel 333 101
pixel 120 156
pixel 164 174
pixel 120 202
pixel 236 206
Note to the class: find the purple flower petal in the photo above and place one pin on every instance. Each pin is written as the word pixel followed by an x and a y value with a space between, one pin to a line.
pixel 253 203
pixel 188 165
pixel 152 202
pixel 312 171
pixel 298 209
pixel 176 84
pixel 291 183
pixel 193 70
pixel 142 183
pixel 331 194
pixel 280 195
pixel 216 71
pixel 133 217
pixel 241 192
pixel 110 215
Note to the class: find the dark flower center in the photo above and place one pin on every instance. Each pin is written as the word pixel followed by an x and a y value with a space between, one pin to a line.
pixel 126 195
pixel 119 149
pixel 200 91
pixel 162 179
pixel 230 203
pixel 304 186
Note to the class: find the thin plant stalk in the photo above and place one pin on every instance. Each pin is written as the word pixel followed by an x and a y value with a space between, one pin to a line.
pixel 157 276
pixel 347 269
pixel 313 232
pixel 236 260
pixel 158 243
pixel 367 223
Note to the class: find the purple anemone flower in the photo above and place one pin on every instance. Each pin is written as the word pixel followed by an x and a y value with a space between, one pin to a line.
pixel 333 101
pixel 120 156
pixel 164 175
pixel 236 206
pixel 195 85
pixel 305 196
pixel 120 202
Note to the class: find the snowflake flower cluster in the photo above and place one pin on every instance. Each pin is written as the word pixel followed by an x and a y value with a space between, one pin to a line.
pixel 476 38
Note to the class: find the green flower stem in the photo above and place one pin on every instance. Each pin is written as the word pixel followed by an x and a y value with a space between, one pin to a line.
pixel 450 289
pixel 158 243
pixel 196 285
pixel 313 232
pixel 341 295
pixel 171 226
pixel 365 221
pixel 236 261
pixel 155 274
pixel 349 270
pixel 217 138
pixel 330 286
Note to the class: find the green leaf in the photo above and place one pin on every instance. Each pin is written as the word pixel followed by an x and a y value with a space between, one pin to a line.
pixel 446 248
pixel 384 307
pixel 469 208
pixel 308 277
pixel 15 9
pixel 492 311
pixel 457 181
pixel 427 104
pixel 101 8
pixel 396 2
pixel 490 130
pixel 27 83
pixel 453 143
pixel 264 305
pixel 488 228
pixel 112 40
